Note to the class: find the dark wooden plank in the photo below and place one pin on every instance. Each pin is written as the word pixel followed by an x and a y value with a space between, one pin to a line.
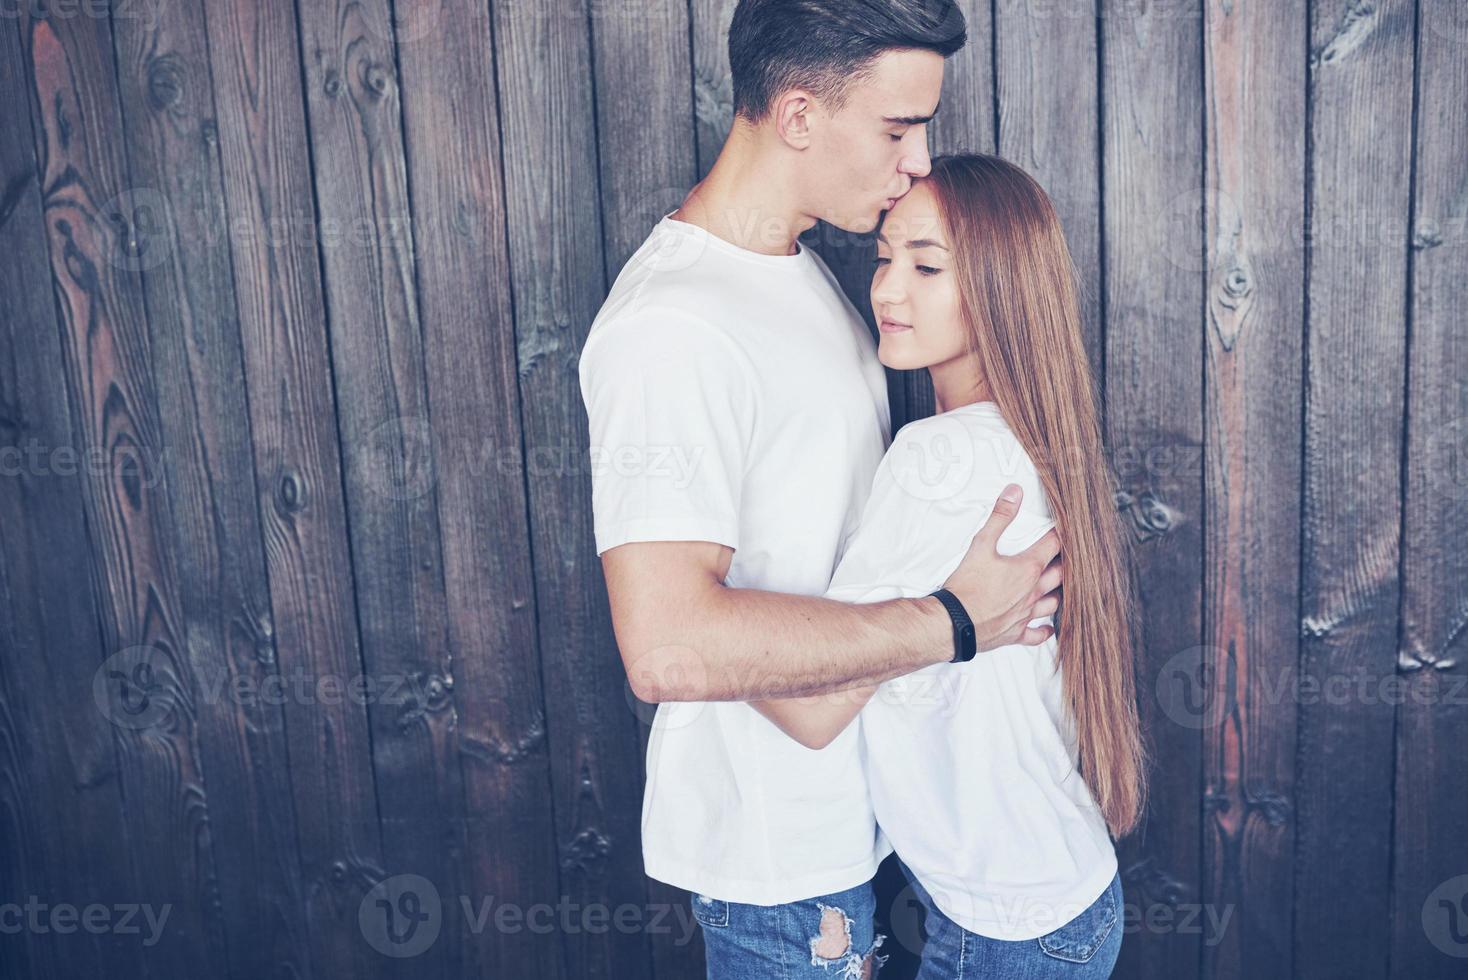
pixel 966 120
pixel 447 63
pixel 1430 830
pixel 176 214
pixel 713 89
pixel 1360 111
pixel 261 129
pixel 1151 99
pixel 641 49
pixel 58 758
pixel 1255 103
pixel 555 252
pixel 645 172
pixel 377 364
pixel 107 371
pixel 1045 65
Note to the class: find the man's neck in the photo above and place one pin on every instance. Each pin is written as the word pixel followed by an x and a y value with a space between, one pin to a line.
pixel 748 197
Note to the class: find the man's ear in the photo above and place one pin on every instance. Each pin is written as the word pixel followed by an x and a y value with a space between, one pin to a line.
pixel 792 114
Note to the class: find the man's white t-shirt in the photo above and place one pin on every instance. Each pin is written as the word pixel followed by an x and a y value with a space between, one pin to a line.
pixel 972 767
pixel 736 397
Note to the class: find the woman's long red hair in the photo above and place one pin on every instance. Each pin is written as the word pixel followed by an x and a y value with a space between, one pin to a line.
pixel 1017 283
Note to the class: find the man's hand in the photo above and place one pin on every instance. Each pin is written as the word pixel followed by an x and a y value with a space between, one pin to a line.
pixel 1003 593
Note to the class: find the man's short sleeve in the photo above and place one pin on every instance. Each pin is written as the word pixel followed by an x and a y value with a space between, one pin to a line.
pixel 670 407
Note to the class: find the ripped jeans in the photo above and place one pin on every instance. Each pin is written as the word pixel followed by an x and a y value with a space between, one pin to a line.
pixel 830 936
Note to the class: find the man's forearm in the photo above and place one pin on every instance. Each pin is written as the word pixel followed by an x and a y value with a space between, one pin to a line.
pixel 748 644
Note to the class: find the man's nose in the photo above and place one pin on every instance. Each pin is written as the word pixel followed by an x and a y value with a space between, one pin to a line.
pixel 917 164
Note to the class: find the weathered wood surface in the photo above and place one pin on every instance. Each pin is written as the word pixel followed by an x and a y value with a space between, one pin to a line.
pixel 311 281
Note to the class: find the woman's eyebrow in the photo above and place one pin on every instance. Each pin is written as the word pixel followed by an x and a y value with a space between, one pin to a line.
pixel 915 243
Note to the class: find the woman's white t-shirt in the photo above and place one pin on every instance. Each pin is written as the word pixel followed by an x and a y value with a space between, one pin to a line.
pixel 972 767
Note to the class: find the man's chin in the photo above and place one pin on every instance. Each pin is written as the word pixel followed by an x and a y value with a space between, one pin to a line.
pixel 857 224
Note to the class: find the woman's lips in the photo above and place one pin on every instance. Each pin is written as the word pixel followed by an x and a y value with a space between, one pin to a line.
pixel 892 326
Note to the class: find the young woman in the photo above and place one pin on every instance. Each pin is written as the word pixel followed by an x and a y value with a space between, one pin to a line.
pixel 1000 782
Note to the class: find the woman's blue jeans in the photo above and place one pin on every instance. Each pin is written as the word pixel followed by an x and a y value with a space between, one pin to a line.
pixel 1085 947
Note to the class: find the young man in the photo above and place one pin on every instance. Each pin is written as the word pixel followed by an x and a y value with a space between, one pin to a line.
pixel 737 415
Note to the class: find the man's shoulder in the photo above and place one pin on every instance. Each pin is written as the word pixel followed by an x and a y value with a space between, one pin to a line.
pixel 656 322
pixel 661 331
pixel 654 285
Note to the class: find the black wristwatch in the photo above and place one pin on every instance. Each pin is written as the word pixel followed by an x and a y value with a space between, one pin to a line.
pixel 963 627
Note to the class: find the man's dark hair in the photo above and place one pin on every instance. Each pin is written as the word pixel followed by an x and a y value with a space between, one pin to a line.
pixel 825 45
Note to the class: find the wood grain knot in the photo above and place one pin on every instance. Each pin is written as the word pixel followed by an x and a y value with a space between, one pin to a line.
pixel 1273 807
pixel 1155 885
pixel 375 79
pixel 587 852
pixel 290 492
pixel 1428 235
pixel 1148 515
pixel 166 81
pixel 1237 283
pixel 496 749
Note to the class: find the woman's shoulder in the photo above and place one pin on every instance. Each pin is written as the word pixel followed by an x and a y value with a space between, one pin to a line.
pixel 935 488
pixel 966 450
pixel 981 419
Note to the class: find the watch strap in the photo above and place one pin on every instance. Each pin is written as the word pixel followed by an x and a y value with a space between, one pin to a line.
pixel 964 643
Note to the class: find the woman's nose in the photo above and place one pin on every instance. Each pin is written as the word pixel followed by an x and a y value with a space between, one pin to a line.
pixel 887 291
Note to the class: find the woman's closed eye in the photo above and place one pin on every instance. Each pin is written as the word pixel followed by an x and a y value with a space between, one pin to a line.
pixel 925 270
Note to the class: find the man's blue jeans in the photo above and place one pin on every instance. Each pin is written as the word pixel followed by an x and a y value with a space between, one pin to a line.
pixel 827 936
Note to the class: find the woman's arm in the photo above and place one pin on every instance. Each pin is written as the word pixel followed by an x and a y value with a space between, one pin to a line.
pixel 816 721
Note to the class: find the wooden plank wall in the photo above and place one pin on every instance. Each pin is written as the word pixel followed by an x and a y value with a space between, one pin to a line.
pixel 303 640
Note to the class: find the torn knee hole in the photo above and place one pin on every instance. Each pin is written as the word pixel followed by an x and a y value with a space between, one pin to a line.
pixel 835 937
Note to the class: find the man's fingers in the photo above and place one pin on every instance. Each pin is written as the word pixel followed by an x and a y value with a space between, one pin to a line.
pixel 1045 607
pixel 1045 549
pixel 1050 579
pixel 1005 509
pixel 1035 635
